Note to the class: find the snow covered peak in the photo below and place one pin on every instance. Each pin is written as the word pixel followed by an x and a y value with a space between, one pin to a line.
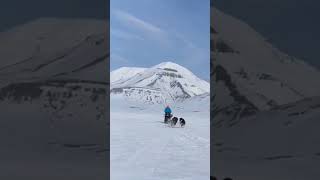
pixel 251 75
pixel 173 67
pixel 168 64
pixel 168 80
pixel 124 73
pixel 55 48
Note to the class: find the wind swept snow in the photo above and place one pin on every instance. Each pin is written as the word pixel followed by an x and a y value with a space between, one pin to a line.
pixel 144 148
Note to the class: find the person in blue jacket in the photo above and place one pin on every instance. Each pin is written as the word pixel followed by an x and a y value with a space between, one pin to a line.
pixel 167 110
pixel 167 114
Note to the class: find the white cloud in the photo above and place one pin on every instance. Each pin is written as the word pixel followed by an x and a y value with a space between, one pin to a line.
pixel 136 22
pixel 148 30
pixel 125 35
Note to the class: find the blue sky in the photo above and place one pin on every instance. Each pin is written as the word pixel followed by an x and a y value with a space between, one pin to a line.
pixel 147 32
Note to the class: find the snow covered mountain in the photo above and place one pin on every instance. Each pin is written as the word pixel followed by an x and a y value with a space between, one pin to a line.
pixel 54 49
pixel 163 83
pixel 124 73
pixel 264 107
pixel 250 75
pixel 53 93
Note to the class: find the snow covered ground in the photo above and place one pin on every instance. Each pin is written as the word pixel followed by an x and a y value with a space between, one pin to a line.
pixel 143 148
pixel 282 143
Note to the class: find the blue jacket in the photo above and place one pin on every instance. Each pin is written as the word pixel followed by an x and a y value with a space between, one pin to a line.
pixel 167 110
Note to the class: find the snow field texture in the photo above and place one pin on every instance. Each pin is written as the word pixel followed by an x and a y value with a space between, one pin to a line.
pixel 142 147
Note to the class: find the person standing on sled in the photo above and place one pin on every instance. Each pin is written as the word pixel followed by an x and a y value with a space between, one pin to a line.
pixel 167 114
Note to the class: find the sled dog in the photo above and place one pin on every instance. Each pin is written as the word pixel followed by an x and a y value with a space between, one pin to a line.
pixel 173 121
pixel 182 122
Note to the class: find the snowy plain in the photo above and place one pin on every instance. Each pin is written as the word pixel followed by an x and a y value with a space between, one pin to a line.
pixel 142 147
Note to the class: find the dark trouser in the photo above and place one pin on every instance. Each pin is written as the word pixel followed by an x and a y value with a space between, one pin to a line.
pixel 167 116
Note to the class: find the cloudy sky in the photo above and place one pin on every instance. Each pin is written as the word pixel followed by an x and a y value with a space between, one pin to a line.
pixel 147 32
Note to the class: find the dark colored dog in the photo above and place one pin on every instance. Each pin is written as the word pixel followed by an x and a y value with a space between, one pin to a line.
pixel 174 121
pixel 182 122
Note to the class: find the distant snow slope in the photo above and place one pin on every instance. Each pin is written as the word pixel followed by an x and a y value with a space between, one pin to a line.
pixel 264 109
pixel 54 48
pixel 250 75
pixel 124 73
pixel 164 83
pixel 53 90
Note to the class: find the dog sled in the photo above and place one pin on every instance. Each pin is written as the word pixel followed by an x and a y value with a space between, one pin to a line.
pixel 172 121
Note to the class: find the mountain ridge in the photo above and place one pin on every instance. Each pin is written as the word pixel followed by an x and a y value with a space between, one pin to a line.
pixel 264 108
pixel 250 75
pixel 53 71
pixel 167 79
